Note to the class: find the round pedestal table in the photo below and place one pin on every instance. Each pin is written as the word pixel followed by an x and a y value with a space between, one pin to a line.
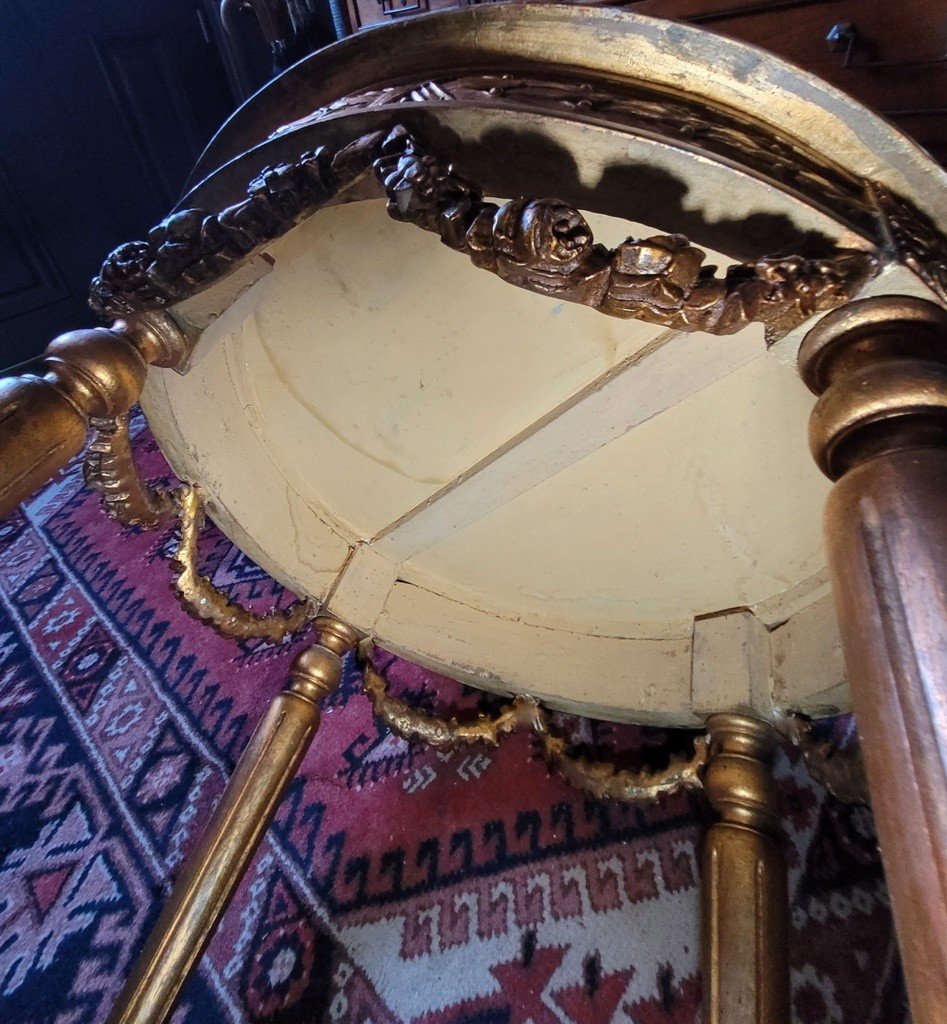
pixel 495 336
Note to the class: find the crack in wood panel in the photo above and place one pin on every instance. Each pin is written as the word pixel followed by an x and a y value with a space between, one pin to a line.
pixel 669 370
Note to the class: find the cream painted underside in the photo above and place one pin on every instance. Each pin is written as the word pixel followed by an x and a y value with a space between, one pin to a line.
pixel 525 494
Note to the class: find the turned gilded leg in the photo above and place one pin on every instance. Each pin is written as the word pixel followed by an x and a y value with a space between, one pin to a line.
pixel 214 869
pixel 880 430
pixel 743 884
pixel 44 417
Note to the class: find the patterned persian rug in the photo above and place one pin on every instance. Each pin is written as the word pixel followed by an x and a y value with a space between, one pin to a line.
pixel 397 884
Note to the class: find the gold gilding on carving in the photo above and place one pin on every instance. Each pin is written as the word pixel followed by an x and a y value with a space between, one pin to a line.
pixel 603 780
pixel 695 124
pixel 109 468
pixel 599 778
pixel 442 734
pixel 193 248
pixel 916 241
pixel 201 599
pixel 543 245
pixel 546 246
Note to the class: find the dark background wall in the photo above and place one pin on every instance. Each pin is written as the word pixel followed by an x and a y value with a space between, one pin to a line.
pixel 104 107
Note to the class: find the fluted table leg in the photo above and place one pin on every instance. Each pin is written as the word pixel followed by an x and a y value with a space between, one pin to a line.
pixel 214 869
pixel 743 884
pixel 880 430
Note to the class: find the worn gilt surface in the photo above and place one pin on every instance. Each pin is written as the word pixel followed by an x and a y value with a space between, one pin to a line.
pixel 442 734
pixel 602 779
pixel 193 248
pixel 904 231
pixel 914 238
pixel 546 246
pixel 543 245
pixel 201 599
pixel 699 125
pixel 109 468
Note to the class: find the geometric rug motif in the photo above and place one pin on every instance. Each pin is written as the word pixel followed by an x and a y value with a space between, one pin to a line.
pixel 397 883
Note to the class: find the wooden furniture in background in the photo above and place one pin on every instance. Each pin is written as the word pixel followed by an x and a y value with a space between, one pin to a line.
pixel 897 66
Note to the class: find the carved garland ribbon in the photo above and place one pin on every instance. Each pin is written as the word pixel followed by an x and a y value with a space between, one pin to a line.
pixel 201 599
pixel 110 469
pixel 601 779
pixel 543 245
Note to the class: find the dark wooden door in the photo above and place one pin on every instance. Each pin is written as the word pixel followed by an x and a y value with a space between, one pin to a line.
pixel 104 107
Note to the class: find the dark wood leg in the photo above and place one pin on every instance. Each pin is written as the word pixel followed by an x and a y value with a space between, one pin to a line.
pixel 880 430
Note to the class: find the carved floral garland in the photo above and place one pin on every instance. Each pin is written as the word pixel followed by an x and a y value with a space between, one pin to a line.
pixel 543 245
